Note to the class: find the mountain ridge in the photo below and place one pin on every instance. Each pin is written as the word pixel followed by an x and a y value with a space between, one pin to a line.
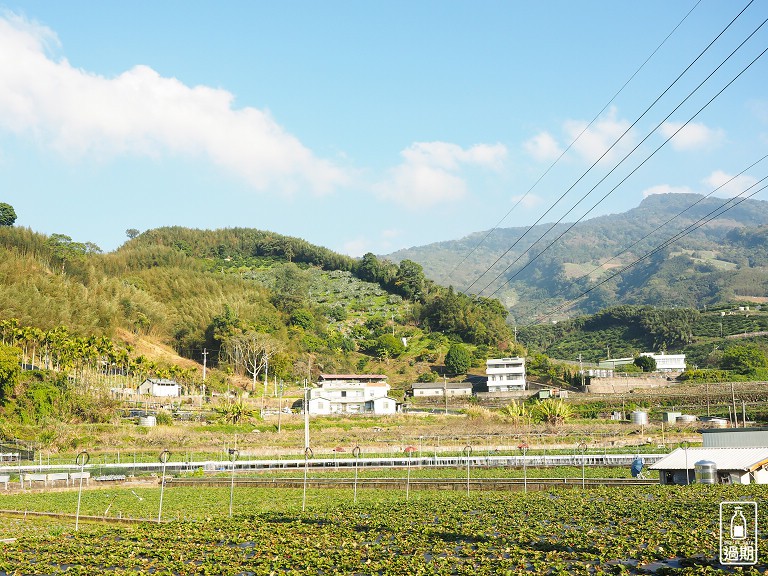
pixel 584 257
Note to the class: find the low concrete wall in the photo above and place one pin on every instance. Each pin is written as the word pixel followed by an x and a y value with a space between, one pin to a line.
pixel 625 384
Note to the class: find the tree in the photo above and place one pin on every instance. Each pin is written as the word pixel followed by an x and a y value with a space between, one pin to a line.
pixel 7 214
pixel 251 352
pixel 132 233
pixel 744 359
pixel 410 280
pixel 388 346
pixel 646 363
pixel 10 370
pixel 458 359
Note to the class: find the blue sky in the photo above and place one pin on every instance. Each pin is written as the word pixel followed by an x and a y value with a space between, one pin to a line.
pixel 362 126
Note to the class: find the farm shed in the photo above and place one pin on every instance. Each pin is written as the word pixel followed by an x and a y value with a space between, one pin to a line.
pixel 734 465
pixel 735 438
pixel 159 387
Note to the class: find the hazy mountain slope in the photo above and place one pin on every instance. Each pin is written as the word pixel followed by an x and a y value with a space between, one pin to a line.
pixel 706 266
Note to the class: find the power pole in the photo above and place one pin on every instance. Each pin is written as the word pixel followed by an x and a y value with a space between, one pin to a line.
pixel 581 371
pixel 445 392
pixel 205 361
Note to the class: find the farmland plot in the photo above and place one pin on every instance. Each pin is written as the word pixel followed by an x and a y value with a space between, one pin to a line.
pixel 657 529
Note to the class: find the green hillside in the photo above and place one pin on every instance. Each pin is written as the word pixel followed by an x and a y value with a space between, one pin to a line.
pixel 723 261
pixel 626 331
pixel 200 291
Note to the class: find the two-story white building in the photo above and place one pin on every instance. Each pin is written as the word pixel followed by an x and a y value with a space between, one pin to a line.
pixel 351 394
pixel 505 374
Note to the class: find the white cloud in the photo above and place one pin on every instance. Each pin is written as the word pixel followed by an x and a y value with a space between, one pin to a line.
pixel 139 112
pixel 527 200
pixel 543 147
pixel 356 247
pixel 430 172
pixel 666 189
pixel 593 142
pixel 691 136
pixel 728 185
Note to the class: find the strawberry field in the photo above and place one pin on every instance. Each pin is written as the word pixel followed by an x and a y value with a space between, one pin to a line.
pixel 657 529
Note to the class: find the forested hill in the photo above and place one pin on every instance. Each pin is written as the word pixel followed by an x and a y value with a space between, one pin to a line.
pixel 242 244
pixel 198 290
pixel 725 259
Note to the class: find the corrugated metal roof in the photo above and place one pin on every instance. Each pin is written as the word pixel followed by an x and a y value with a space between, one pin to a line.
pixel 746 459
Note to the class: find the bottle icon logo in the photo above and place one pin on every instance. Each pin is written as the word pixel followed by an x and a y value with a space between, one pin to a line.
pixel 738 525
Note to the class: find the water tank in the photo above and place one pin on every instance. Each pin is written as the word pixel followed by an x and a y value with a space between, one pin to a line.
pixel 147 421
pixel 706 472
pixel 639 417
pixel 686 419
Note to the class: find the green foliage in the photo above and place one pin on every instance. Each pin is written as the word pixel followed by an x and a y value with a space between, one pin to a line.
pixel 388 346
pixel 7 214
pixel 164 418
pixel 427 377
pixel 625 330
pixel 600 531
pixel 458 359
pixel 744 359
pixel 475 320
pixel 646 363
pixel 553 412
pixel 302 318
pixel 10 358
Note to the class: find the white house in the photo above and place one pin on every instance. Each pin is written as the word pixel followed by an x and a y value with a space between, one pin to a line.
pixel 351 394
pixel 667 362
pixel 664 362
pixel 159 387
pixel 432 389
pixel 505 374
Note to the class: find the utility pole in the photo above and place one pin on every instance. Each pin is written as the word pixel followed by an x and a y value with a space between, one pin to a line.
pixel 205 361
pixel 515 333
pixel 445 392
pixel 581 371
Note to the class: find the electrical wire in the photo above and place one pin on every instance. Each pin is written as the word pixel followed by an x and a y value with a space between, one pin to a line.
pixel 573 142
pixel 605 196
pixel 695 226
pixel 562 196
pixel 659 227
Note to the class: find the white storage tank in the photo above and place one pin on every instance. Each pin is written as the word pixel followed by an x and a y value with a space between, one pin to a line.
pixel 639 417
pixel 686 419
pixel 147 421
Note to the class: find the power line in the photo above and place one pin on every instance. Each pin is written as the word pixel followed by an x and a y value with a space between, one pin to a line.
pixel 573 142
pixel 562 196
pixel 627 156
pixel 695 226
pixel 660 226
